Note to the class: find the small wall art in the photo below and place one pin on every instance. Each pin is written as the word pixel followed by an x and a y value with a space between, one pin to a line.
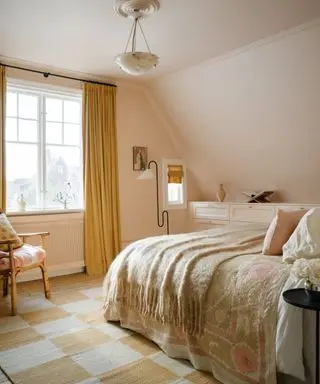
pixel 140 158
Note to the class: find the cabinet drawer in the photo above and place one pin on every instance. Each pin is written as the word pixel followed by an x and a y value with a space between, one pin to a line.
pixel 212 211
pixel 252 213
pixel 202 224
pixel 295 207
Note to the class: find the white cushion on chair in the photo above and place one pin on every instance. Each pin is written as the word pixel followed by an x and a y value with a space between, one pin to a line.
pixel 24 256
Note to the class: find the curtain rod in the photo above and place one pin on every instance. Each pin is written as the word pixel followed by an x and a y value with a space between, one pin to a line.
pixel 47 74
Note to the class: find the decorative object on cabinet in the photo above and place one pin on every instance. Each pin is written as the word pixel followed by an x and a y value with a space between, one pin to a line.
pixel 258 197
pixel 221 194
pixel 139 158
pixel 163 217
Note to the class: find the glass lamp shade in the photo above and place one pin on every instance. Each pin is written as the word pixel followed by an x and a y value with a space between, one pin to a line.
pixel 146 175
pixel 136 63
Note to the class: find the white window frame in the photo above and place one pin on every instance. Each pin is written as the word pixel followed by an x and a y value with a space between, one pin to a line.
pixel 46 90
pixel 166 205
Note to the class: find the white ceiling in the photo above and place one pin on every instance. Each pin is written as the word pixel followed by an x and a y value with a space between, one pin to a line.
pixel 85 35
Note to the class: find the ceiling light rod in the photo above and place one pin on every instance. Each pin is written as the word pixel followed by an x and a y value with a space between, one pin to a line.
pixel 133 36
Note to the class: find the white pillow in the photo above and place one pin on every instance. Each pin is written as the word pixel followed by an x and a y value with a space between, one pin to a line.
pixel 305 240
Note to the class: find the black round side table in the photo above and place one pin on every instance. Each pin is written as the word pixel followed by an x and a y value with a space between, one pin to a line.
pixel 299 298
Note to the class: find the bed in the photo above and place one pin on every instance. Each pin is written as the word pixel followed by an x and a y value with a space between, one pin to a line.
pixel 211 297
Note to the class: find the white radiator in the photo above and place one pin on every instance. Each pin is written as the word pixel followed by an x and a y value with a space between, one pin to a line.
pixel 64 246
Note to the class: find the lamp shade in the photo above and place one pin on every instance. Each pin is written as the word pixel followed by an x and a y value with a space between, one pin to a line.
pixel 136 63
pixel 146 175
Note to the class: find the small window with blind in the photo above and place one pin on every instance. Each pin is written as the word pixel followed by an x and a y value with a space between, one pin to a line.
pixel 174 182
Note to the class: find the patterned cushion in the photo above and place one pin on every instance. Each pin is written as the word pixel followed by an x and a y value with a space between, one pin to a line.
pixel 23 257
pixel 8 233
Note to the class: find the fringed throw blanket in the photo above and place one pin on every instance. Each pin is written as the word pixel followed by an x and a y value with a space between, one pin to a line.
pixel 167 278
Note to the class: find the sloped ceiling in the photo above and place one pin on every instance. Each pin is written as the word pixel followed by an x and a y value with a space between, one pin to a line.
pixel 251 119
pixel 86 35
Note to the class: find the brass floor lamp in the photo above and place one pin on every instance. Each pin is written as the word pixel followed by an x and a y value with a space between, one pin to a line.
pixel 163 217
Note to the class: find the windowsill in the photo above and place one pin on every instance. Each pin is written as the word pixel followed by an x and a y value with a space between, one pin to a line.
pixel 44 212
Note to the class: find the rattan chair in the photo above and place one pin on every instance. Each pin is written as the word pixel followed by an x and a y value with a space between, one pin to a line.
pixel 22 259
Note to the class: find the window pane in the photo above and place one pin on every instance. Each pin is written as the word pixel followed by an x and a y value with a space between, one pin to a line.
pixel 175 193
pixel 71 134
pixel 11 129
pixel 22 174
pixel 71 112
pixel 64 166
pixel 54 133
pixel 11 104
pixel 53 109
pixel 28 106
pixel 28 131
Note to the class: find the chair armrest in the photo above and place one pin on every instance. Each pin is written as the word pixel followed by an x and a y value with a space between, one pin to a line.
pixel 43 234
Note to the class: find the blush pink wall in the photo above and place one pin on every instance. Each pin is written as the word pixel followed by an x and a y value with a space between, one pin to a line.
pixel 251 119
pixel 139 124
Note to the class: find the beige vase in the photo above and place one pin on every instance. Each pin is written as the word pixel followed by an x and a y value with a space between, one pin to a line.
pixel 221 194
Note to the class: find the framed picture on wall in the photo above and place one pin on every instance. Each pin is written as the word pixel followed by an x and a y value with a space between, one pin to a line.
pixel 140 158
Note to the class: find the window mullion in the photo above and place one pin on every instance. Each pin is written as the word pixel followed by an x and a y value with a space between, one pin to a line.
pixel 42 152
pixel 18 117
pixel 62 123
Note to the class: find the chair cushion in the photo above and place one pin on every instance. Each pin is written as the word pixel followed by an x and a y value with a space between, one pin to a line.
pixel 8 233
pixel 24 256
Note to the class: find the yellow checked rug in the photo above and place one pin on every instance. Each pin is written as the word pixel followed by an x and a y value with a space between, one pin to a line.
pixel 67 341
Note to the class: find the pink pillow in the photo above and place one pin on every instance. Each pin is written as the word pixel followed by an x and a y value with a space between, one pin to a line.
pixel 279 231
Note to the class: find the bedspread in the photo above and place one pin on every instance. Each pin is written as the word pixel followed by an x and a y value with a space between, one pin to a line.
pixel 229 325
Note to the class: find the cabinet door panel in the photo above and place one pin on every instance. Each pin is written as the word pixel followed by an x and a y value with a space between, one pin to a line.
pixel 251 213
pixel 209 210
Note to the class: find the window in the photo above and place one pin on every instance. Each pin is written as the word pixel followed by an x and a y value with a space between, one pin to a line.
pixel 174 182
pixel 43 148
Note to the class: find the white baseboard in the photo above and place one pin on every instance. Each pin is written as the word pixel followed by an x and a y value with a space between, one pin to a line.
pixel 53 270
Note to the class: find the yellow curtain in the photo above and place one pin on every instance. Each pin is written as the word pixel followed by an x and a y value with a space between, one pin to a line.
pixel 101 223
pixel 2 137
pixel 175 174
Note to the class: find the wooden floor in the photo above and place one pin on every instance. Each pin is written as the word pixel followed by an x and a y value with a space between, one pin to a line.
pixel 61 283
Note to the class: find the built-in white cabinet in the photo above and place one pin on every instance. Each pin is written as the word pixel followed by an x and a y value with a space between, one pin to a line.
pixel 210 214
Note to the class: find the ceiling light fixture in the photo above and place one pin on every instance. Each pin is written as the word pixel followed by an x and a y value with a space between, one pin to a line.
pixel 135 62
